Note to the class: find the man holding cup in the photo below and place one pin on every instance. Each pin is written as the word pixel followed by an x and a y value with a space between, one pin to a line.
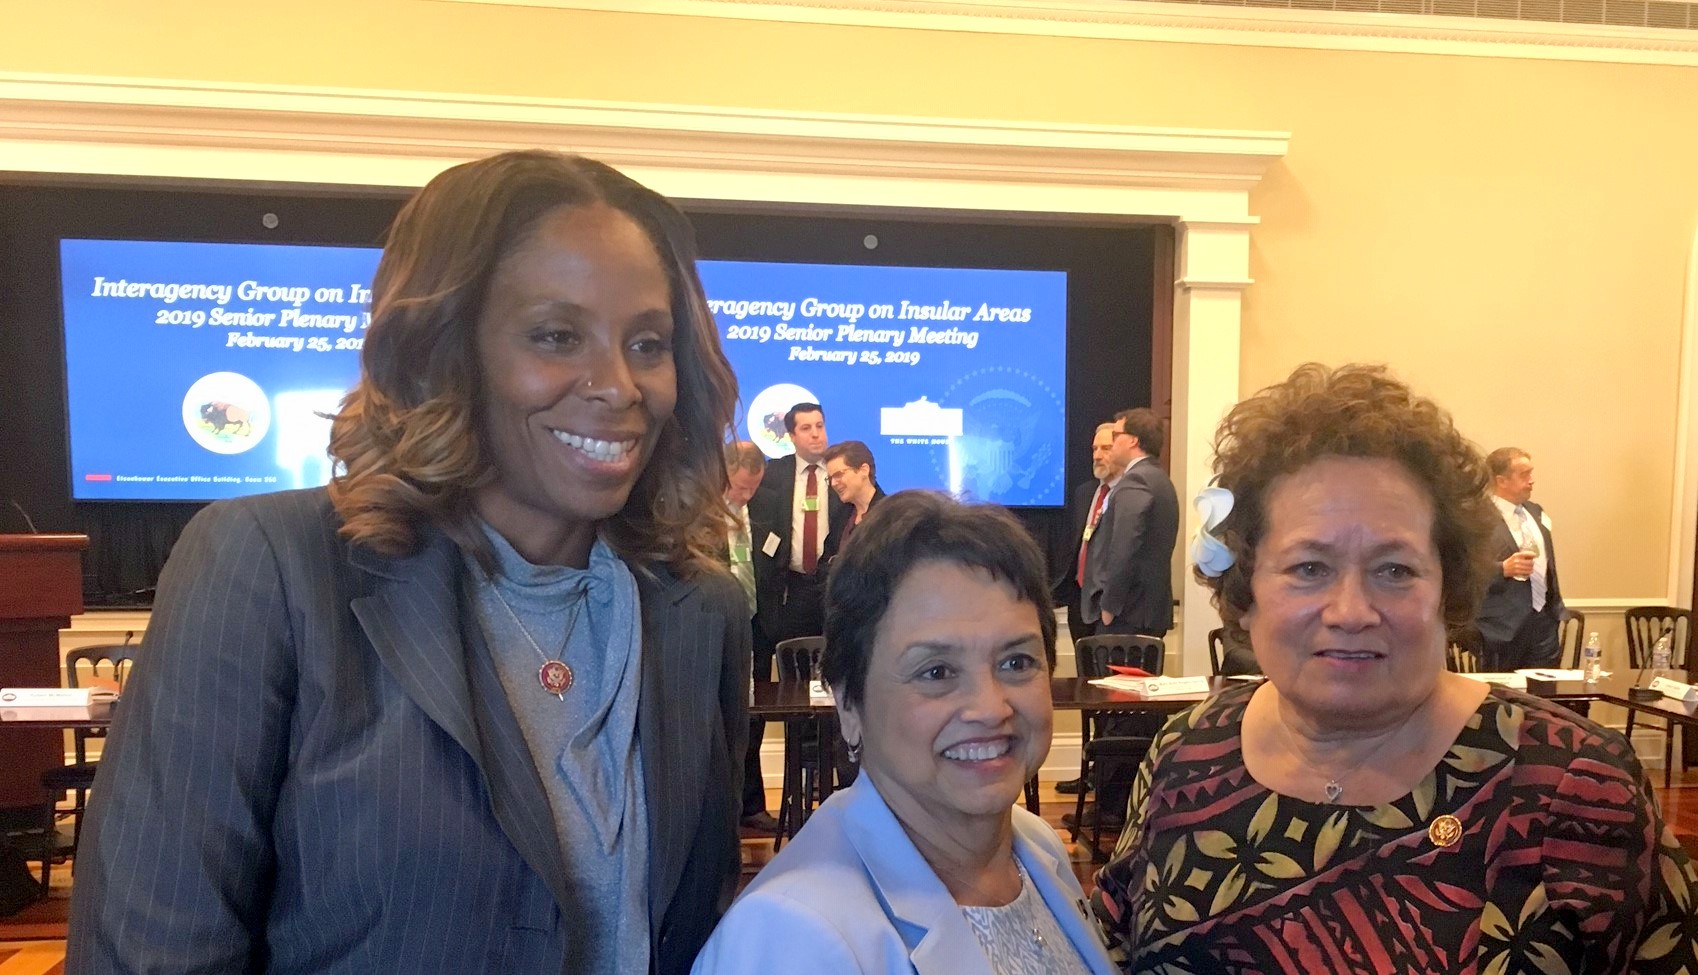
pixel 1519 616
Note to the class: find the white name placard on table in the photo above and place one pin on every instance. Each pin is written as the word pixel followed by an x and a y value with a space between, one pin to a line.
pixel 1675 689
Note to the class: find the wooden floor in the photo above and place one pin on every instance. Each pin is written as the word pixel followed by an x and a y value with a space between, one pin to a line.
pixel 33 942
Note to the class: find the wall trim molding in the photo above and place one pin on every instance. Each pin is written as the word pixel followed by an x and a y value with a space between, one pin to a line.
pixel 1195 24
pixel 420 133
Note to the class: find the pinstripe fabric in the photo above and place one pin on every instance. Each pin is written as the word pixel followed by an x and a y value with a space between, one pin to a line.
pixel 315 770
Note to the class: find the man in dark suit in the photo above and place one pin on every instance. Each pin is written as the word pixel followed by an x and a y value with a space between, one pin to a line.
pixel 789 518
pixel 1089 500
pixel 1522 609
pixel 791 515
pixel 1128 578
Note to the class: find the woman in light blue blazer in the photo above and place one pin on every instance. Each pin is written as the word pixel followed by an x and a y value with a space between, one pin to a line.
pixel 938 627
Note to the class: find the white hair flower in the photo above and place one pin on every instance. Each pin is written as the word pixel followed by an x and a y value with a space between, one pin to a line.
pixel 1208 552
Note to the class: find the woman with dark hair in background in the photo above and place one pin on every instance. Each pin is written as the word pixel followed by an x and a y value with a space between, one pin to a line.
pixel 1365 810
pixel 938 623
pixel 853 476
pixel 479 705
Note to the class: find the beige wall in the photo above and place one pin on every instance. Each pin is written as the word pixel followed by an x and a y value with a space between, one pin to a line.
pixel 1468 220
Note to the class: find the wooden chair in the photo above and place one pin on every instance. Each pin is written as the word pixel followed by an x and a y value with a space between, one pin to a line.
pixel 1093 655
pixel 105 665
pixel 1464 651
pixel 1571 636
pixel 1217 649
pixel 1644 625
pixel 804 771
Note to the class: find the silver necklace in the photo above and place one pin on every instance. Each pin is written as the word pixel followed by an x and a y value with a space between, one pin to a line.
pixel 554 675
pixel 1334 788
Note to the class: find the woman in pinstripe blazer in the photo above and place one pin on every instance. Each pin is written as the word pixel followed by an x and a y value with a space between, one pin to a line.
pixel 325 762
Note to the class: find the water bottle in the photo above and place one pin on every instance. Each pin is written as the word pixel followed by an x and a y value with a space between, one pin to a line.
pixel 1592 659
pixel 1660 656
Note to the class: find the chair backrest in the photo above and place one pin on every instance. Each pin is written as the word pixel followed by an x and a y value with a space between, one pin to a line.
pixel 1465 650
pixel 1217 649
pixel 1571 635
pixel 799 657
pixel 1461 660
pixel 107 663
pixel 1646 623
pixel 1093 654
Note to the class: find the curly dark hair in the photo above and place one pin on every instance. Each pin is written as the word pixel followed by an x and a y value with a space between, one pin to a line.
pixel 1351 411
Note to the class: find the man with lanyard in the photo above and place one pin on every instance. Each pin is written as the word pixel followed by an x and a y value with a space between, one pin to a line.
pixel 1089 500
pixel 744 467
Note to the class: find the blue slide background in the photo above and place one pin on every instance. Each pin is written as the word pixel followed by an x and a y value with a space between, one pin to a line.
pixel 127 375
pixel 1010 386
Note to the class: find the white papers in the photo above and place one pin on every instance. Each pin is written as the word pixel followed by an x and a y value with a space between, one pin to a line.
pixel 1552 674
pixel 91 712
pixel 1516 681
pixel 1155 686
pixel 818 693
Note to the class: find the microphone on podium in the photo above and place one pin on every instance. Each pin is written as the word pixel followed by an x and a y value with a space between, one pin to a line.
pixel 27 520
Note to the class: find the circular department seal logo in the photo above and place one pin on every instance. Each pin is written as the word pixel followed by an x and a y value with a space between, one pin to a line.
pixel 766 417
pixel 1011 431
pixel 226 413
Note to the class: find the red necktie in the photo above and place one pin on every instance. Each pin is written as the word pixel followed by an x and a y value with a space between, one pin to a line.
pixel 1090 525
pixel 811 523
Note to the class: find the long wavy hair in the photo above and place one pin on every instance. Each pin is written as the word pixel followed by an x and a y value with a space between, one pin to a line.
pixel 407 441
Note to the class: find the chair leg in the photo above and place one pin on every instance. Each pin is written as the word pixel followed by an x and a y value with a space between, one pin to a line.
pixel 1097 833
pixel 1668 756
pixel 1032 804
pixel 77 820
pixel 1079 800
pixel 787 790
pixel 1629 732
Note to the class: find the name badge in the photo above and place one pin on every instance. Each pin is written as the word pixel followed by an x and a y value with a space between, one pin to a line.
pixel 769 548
pixel 810 504
pixel 1089 531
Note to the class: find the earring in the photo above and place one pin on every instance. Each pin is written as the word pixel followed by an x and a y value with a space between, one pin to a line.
pixel 855 752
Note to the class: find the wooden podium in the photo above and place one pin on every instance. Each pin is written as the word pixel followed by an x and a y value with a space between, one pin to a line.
pixel 41 588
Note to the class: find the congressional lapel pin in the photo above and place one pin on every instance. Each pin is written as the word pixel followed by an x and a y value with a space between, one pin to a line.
pixel 1445 830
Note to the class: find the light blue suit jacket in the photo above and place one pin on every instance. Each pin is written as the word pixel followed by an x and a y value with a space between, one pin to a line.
pixel 853 894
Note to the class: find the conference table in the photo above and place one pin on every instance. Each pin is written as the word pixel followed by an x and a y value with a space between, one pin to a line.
pixel 782 700
pixel 790 699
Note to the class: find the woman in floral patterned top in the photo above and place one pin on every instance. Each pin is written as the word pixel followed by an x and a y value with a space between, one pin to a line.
pixel 1364 810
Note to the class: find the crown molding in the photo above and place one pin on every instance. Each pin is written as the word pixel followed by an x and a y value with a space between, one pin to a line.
pixel 1195 24
pixel 37 108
